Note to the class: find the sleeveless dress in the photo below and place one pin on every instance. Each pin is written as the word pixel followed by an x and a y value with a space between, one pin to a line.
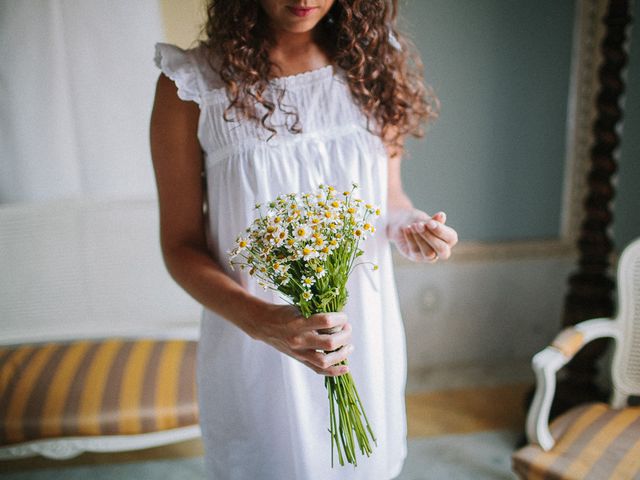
pixel 263 414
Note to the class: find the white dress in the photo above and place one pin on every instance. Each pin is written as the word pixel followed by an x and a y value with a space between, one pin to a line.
pixel 263 414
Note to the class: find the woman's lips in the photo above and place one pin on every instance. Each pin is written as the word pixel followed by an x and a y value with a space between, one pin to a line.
pixel 300 11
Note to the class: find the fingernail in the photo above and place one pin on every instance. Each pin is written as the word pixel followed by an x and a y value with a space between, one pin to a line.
pixel 432 224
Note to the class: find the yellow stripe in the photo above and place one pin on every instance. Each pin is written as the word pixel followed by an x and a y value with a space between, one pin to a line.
pixel 56 398
pixel 93 389
pixel 14 417
pixel 600 443
pixel 167 385
pixel 629 466
pixel 8 370
pixel 541 463
pixel 131 389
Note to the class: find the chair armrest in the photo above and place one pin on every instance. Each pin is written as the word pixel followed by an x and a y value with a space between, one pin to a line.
pixel 546 364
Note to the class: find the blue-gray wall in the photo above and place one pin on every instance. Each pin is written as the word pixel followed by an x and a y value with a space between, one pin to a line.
pixel 494 160
pixel 627 201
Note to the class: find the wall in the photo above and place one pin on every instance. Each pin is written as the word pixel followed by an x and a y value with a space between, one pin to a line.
pixel 627 200
pixel 182 21
pixel 494 159
pixel 77 85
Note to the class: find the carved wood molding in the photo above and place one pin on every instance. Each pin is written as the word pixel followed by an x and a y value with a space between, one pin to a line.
pixel 581 112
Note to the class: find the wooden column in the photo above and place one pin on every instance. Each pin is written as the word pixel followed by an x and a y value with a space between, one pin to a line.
pixel 591 286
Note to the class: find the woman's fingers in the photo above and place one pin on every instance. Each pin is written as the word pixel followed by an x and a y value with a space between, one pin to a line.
pixel 428 251
pixel 419 250
pixel 412 246
pixel 440 217
pixel 324 321
pixel 324 361
pixel 444 232
pixel 334 371
pixel 442 248
pixel 330 342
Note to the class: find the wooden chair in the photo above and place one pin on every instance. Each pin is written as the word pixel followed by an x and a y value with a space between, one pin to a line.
pixel 599 441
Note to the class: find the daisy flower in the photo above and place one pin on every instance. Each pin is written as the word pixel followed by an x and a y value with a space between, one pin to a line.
pixel 307 281
pixel 301 232
pixel 308 253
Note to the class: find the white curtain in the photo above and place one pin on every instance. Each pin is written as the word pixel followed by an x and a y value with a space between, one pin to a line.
pixel 76 88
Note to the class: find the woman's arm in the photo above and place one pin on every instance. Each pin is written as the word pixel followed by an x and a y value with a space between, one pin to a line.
pixel 177 162
pixel 417 236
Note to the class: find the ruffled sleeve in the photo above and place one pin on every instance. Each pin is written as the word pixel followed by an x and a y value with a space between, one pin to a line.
pixel 176 64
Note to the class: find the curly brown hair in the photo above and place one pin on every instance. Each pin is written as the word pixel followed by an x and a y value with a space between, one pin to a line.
pixel 386 82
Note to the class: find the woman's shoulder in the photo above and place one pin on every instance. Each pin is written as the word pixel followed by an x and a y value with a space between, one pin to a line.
pixel 196 66
pixel 207 62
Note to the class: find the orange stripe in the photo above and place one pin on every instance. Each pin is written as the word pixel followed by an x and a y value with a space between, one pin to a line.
pixel 131 388
pixel 14 359
pixel 540 465
pixel 14 417
pixel 599 444
pixel 93 389
pixel 167 385
pixel 629 466
pixel 56 398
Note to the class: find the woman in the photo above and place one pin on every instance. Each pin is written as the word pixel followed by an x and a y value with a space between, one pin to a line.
pixel 281 97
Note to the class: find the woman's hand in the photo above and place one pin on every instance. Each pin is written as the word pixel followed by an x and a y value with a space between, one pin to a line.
pixel 419 237
pixel 306 339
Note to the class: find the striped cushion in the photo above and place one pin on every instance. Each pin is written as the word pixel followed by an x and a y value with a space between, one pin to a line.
pixel 96 387
pixel 593 442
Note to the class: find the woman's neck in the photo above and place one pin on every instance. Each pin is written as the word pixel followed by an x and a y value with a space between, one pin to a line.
pixel 298 52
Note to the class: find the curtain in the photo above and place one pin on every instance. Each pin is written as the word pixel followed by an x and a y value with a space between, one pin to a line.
pixel 76 88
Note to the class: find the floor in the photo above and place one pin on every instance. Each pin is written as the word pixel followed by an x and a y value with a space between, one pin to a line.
pixel 461 433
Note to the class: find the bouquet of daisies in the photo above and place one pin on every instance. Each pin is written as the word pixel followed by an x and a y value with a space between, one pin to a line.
pixel 305 246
